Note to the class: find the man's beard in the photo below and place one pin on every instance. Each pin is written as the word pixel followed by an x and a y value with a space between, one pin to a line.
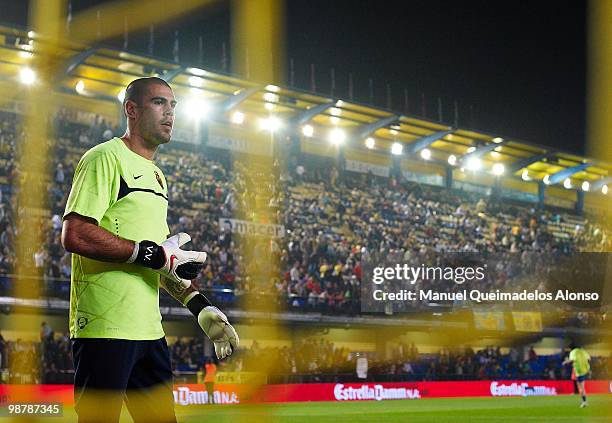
pixel 160 138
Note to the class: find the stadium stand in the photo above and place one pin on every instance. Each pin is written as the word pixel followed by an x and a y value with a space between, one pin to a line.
pixel 330 223
pixel 318 360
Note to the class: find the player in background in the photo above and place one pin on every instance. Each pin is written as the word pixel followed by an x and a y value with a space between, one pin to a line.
pixel 115 227
pixel 210 377
pixel 579 359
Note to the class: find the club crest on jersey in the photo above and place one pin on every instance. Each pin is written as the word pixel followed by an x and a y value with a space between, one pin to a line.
pixel 159 179
pixel 82 322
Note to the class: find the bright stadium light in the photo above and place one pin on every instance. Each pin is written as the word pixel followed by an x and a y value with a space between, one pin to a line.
pixel 471 149
pixel 307 131
pixel 426 154
pixel 269 106
pixel 497 140
pixel 604 189
pixel 370 143
pixel 271 97
pixel 335 111
pixel 586 186
pixel 238 117
pixel 337 136
pixel 452 160
pixel 498 169
pixel 274 123
pixel 525 175
pixel 473 163
pixel 394 131
pixel 397 149
pixel 272 88
pixel 196 81
pixel 271 124
pixel 567 183
pixel 197 108
pixel 27 76
pixel 196 71
pixel 121 95
pixel 546 179
pixel 80 87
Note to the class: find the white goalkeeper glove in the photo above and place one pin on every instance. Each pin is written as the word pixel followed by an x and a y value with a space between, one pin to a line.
pixel 214 324
pixel 167 259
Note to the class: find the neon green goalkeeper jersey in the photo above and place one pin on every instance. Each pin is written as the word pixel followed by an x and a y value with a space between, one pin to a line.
pixel 127 195
pixel 580 360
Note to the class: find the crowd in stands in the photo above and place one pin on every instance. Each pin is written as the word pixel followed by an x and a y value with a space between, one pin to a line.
pixel 320 360
pixel 314 360
pixel 331 223
pixel 56 364
pixel 46 361
pixel 305 357
pixel 187 354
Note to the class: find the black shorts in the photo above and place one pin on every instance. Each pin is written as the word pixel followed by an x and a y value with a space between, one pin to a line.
pixel 111 371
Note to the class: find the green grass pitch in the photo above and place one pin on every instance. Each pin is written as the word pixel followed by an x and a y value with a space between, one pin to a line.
pixel 454 410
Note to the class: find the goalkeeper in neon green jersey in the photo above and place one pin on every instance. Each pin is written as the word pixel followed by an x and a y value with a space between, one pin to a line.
pixel 115 226
pixel 580 360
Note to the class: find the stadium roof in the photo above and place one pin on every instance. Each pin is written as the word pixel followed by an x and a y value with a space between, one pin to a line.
pixel 105 71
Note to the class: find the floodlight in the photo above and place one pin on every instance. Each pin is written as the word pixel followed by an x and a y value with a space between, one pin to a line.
pixel 27 76
pixel 586 186
pixel 271 124
pixel 307 131
pixel 238 117
pixel 525 175
pixel 337 136
pixel 498 169
pixel 80 87
pixel 397 149
pixel 196 81
pixel 473 163
pixel 197 108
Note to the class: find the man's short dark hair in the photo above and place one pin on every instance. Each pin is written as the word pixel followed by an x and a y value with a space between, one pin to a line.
pixel 136 89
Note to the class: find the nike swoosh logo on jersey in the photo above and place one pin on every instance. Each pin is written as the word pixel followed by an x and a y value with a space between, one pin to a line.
pixel 125 190
pixel 136 177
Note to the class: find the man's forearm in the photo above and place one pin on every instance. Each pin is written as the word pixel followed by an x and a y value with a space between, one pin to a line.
pixel 90 240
